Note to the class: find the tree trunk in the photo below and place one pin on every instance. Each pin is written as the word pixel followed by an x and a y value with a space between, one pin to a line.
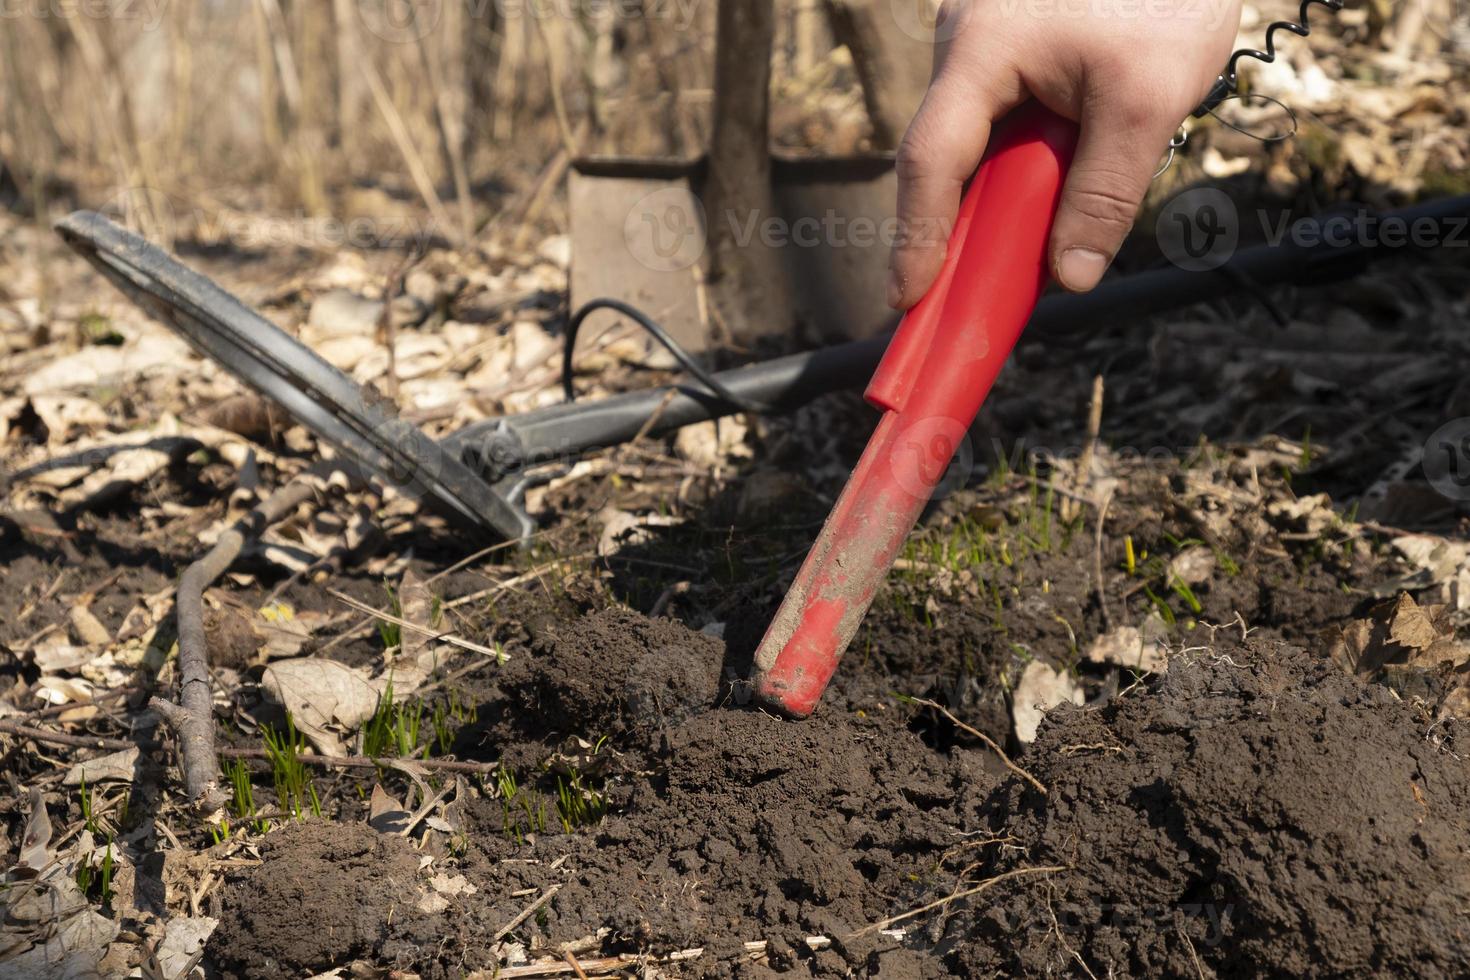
pixel 746 276
pixel 892 64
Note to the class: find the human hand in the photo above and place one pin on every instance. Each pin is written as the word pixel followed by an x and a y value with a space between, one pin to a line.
pixel 1128 71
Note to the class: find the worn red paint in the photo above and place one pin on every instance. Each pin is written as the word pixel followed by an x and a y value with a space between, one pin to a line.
pixel 931 383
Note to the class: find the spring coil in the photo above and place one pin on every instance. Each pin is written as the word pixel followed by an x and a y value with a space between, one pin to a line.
pixel 1227 84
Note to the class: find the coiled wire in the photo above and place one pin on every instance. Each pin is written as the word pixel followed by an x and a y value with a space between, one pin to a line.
pixel 1228 82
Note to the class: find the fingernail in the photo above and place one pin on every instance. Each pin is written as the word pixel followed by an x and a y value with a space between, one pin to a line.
pixel 895 289
pixel 1080 268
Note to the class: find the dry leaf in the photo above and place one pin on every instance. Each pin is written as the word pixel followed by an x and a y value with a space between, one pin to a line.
pixel 35 846
pixel 1456 703
pixel 1312 515
pixel 1040 689
pixel 1398 633
pixel 1193 565
pixel 415 604
pixel 57 657
pixel 341 313
pixel 182 946
pixel 87 628
pixel 55 931
pixel 60 690
pixel 619 529
pixel 1126 646
pixel 118 766
pixel 321 694
pixel 709 444
pixel 385 814
pixel 92 366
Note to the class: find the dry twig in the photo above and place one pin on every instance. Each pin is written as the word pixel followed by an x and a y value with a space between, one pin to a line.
pixel 526 913
pixel 368 762
pixel 306 758
pixel 609 965
pixel 1057 928
pixel 1194 957
pixel 1097 562
pixel 192 718
pixel 1005 759
pixel 61 738
pixel 387 328
pixel 984 886
pixel 571 959
pixel 451 638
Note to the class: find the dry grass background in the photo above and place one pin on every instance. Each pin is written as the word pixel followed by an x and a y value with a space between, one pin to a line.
pixel 352 108
pixel 327 107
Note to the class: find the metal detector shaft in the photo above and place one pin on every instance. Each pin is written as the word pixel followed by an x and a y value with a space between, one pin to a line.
pixel 504 445
pixel 1306 254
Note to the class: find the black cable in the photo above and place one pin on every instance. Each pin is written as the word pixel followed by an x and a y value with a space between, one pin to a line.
pixel 685 359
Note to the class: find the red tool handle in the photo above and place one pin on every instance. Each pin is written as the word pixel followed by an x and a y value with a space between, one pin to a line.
pixel 931 382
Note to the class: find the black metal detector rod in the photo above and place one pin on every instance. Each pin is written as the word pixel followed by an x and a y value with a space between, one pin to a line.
pixel 1330 247
pixel 1312 250
pixel 476 477
pixel 563 432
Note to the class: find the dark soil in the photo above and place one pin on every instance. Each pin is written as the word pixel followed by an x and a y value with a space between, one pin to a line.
pixel 1254 812
pixel 325 893
pixel 1257 812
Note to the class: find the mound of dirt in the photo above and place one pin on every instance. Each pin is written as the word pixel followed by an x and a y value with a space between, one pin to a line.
pixel 729 825
pixel 788 833
pixel 1258 813
pixel 614 670
pixel 325 894
pixel 1253 812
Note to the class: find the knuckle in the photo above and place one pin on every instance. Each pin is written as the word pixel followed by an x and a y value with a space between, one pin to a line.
pixel 917 153
pixel 1138 108
pixel 1100 199
pixel 1132 98
pixel 1139 114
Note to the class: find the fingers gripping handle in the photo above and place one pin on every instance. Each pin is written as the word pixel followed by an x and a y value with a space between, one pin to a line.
pixel 931 383
pixel 993 273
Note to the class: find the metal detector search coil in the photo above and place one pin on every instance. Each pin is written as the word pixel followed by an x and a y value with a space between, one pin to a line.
pixel 362 427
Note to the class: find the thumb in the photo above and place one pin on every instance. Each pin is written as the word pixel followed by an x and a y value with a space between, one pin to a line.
pixel 1118 151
